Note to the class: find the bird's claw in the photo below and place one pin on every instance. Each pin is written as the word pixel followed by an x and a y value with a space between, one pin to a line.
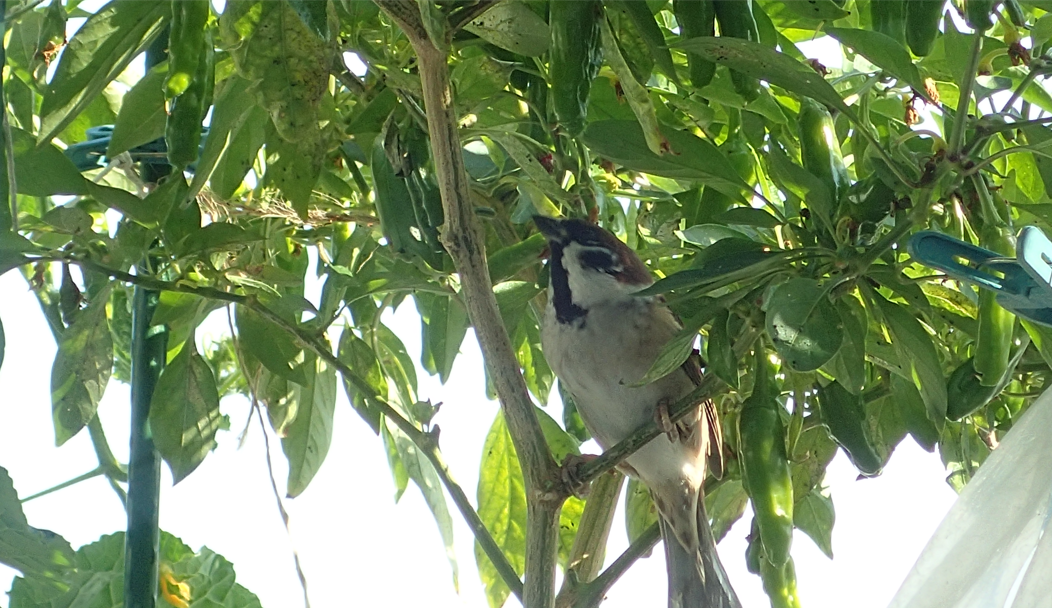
pixel 570 470
pixel 669 428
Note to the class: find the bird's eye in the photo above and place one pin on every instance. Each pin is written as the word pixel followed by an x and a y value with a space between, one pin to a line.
pixel 600 260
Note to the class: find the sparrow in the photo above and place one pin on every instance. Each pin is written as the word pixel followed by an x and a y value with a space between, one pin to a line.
pixel 600 338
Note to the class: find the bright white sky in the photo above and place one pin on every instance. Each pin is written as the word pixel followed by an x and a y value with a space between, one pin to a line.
pixel 357 546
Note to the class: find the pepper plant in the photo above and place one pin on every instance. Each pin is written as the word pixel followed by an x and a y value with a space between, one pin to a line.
pixel 772 195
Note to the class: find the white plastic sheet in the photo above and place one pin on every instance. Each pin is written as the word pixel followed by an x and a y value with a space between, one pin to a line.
pixel 994 548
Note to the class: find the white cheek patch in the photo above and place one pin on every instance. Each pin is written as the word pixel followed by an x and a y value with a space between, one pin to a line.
pixel 589 286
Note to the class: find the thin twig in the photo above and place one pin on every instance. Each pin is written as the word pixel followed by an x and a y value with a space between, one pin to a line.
pixel 961 117
pixel 65 484
pixel 250 381
pixel 596 590
pixel 5 125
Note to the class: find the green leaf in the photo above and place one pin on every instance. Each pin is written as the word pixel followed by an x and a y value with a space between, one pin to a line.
pixel 725 506
pixel 43 170
pixel 212 583
pixel 748 216
pixel 726 263
pixel 95 581
pixel 293 167
pixel 271 45
pixel 233 106
pixel 514 27
pixel 3 343
pixel 502 508
pixel 848 366
pixel 719 351
pixel 813 514
pixel 445 323
pixel 671 357
pixel 359 356
pixel 423 474
pixel 759 61
pixel 35 553
pixel 184 412
pixel 689 156
pixel 797 180
pixel 914 413
pixel 803 324
pixel 825 10
pixel 270 345
pixel 640 510
pixel 307 439
pixel 100 50
pixel 916 352
pixel 81 370
pixel 314 15
pixel 882 51
pixel 240 148
pixel 142 116
pixel 507 262
pixel 527 160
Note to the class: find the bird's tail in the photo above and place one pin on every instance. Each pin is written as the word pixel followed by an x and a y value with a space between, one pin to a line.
pixel 696 579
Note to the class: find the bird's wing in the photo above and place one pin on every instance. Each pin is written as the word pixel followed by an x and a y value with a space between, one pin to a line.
pixel 692 366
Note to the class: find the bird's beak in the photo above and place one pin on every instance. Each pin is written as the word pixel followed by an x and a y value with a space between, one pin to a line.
pixel 551 228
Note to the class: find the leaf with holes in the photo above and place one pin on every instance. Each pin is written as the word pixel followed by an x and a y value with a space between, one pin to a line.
pixel 803 324
pixel 184 412
pixel 81 370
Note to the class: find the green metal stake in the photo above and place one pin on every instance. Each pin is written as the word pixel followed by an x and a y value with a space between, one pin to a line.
pixel 149 347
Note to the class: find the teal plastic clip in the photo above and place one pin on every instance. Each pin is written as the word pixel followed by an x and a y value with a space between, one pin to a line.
pixel 1023 284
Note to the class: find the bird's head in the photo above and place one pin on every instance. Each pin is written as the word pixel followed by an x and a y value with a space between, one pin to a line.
pixel 589 266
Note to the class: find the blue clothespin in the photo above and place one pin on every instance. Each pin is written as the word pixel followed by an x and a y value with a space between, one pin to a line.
pixel 91 153
pixel 1023 284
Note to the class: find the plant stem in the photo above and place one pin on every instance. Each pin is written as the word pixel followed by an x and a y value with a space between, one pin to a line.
pixel 65 484
pixel 597 589
pixel 960 118
pixel 462 238
pixel 589 544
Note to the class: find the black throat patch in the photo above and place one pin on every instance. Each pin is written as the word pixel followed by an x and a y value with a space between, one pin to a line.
pixel 565 310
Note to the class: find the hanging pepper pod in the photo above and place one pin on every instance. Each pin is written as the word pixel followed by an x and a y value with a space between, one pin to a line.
pixel 186 41
pixel 889 18
pixel 576 53
pixel 182 132
pixel 922 24
pixel 737 21
pixel 696 19
pixel 765 464
pixel 820 149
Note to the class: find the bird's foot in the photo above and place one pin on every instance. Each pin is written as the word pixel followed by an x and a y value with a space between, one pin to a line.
pixel 675 431
pixel 570 469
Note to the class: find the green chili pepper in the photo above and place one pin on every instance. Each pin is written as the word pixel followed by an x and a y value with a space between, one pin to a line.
pixel 889 18
pixel 993 341
pixel 845 416
pixel 964 393
pixel 765 465
pixel 820 149
pixel 1015 13
pixel 780 584
pixel 696 19
pixel 754 552
pixel 186 40
pixel 737 21
pixel 576 53
pixel 182 132
pixel 977 14
pixel 922 24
